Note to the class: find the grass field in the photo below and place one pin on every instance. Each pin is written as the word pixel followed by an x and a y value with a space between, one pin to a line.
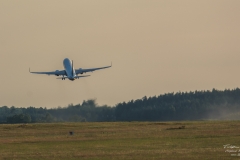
pixel 121 140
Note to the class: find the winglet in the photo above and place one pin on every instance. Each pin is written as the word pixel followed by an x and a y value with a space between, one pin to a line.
pixel 29 70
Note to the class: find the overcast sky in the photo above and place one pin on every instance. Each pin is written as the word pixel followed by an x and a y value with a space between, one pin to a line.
pixel 156 47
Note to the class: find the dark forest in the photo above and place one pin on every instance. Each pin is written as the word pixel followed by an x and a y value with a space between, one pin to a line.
pixel 179 106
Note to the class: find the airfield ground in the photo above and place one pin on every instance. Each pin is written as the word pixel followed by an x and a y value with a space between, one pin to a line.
pixel 122 140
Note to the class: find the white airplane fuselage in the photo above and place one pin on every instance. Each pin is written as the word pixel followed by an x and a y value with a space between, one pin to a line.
pixel 69 69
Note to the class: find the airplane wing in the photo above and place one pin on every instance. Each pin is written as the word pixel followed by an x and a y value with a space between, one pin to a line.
pixel 81 70
pixel 57 72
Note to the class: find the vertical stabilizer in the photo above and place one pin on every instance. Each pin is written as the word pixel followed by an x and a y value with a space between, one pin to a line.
pixel 72 68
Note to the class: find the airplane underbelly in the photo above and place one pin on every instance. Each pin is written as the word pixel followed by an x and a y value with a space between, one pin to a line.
pixel 70 71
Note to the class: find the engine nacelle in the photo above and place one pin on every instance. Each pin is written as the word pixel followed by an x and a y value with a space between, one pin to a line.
pixel 80 71
pixel 57 72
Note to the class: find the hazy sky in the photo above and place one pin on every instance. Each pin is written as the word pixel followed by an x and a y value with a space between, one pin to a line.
pixel 156 47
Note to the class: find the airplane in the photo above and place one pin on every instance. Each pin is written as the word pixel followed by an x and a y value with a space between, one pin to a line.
pixel 69 71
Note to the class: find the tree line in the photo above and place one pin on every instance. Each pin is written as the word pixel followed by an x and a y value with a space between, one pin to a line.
pixel 197 105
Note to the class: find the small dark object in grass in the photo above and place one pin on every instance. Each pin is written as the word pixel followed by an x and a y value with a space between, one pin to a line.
pixel 23 125
pixel 71 133
pixel 181 127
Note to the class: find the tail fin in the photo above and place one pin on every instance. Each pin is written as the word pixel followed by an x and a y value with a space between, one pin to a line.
pixel 72 68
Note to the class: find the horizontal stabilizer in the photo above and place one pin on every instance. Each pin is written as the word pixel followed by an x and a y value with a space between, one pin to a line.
pixel 76 77
pixel 81 76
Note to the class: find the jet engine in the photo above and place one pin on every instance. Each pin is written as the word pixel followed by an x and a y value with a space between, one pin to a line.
pixel 80 71
pixel 57 72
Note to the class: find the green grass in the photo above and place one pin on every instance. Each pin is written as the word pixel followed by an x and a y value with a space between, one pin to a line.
pixel 118 140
